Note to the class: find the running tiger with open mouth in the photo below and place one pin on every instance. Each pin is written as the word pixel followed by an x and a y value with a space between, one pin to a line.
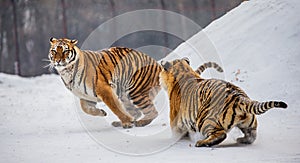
pixel 209 106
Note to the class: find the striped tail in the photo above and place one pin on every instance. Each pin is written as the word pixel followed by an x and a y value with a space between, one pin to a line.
pixel 204 66
pixel 255 107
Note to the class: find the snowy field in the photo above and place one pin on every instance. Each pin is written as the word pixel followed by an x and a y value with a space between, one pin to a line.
pixel 257 44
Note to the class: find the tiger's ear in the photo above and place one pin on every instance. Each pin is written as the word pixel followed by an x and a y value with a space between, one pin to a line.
pixel 187 60
pixel 166 65
pixel 52 40
pixel 74 42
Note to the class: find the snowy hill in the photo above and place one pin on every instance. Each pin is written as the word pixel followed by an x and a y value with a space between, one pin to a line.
pixel 258 45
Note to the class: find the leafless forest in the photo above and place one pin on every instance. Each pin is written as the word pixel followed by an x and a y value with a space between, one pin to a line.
pixel 27 25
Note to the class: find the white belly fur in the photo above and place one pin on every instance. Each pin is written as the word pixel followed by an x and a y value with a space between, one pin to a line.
pixel 77 88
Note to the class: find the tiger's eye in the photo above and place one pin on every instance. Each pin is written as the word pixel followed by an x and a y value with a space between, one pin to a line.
pixel 66 51
pixel 53 52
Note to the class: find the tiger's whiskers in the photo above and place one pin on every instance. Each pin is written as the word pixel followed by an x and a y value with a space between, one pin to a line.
pixel 46 60
pixel 50 65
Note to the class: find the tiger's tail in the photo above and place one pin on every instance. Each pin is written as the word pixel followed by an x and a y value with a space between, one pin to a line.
pixel 204 66
pixel 255 107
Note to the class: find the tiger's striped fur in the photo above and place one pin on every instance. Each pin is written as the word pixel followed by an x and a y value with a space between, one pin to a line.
pixel 204 66
pixel 126 80
pixel 209 106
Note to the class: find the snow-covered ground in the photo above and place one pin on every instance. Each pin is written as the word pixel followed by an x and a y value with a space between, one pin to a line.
pixel 258 45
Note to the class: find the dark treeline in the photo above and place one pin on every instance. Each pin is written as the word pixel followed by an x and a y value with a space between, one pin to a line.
pixel 27 25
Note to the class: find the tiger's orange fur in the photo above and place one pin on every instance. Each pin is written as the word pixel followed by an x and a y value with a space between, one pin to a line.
pixel 209 106
pixel 126 80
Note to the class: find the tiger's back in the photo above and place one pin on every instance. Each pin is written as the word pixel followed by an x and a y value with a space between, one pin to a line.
pixel 126 70
pixel 133 76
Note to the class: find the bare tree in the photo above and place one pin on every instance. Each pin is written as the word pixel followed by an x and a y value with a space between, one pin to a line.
pixel 113 12
pixel 1 39
pixel 213 9
pixel 63 4
pixel 166 40
pixel 17 57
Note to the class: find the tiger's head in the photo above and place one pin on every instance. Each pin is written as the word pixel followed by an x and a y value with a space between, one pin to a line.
pixel 175 72
pixel 61 52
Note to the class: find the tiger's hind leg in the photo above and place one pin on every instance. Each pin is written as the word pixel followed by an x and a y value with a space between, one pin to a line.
pixel 89 107
pixel 131 109
pixel 215 137
pixel 149 112
pixel 248 127
pixel 146 106
pixel 109 97
pixel 135 113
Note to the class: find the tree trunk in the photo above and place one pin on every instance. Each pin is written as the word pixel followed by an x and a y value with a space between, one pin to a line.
pixel 17 57
pixel 63 4
pixel 166 40
pixel 213 9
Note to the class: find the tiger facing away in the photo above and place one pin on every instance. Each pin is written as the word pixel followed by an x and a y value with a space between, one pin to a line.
pixel 126 80
pixel 209 106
